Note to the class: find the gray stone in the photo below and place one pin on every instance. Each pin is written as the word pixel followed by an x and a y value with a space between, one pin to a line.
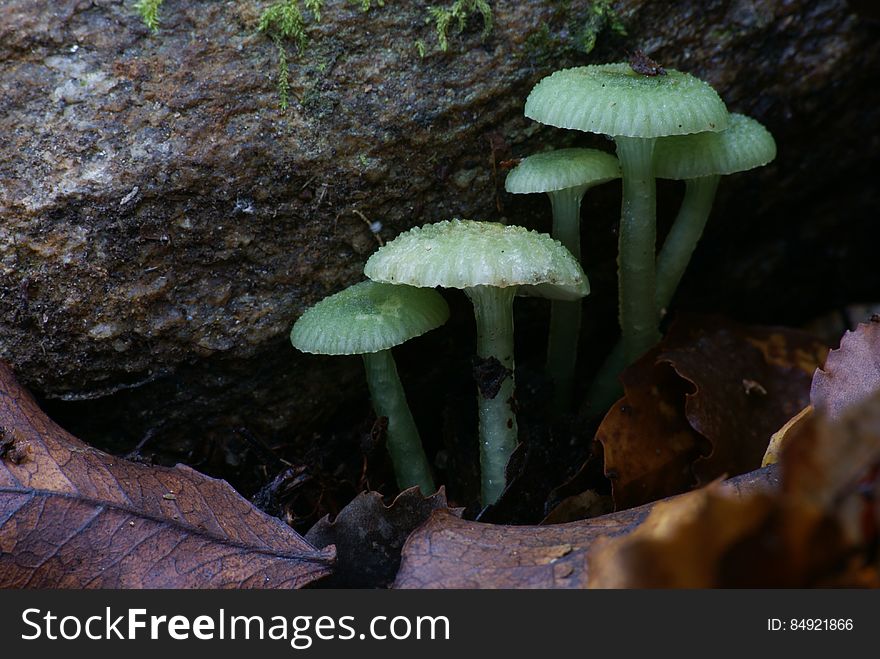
pixel 163 223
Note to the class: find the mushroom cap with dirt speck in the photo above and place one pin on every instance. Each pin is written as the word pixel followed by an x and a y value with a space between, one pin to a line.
pixel 368 317
pixel 612 99
pixel 562 169
pixel 466 253
pixel 745 144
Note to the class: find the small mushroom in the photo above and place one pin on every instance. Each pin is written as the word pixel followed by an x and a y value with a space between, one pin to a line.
pixel 701 160
pixel 565 175
pixel 635 109
pixel 491 262
pixel 369 319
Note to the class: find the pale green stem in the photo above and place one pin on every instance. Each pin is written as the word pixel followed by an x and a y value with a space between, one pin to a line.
pixel 671 264
pixel 684 235
pixel 639 322
pixel 567 218
pixel 402 437
pixel 493 311
pixel 565 316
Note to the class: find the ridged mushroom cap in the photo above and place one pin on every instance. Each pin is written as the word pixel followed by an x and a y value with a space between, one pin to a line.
pixel 745 144
pixel 466 253
pixel 562 169
pixel 612 99
pixel 368 317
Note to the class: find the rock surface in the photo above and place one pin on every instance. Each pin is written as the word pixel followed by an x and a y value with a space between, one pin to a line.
pixel 163 222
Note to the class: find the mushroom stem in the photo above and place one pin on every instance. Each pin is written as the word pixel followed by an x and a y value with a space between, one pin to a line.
pixel 684 235
pixel 671 264
pixel 566 206
pixel 565 316
pixel 402 437
pixel 493 311
pixel 638 232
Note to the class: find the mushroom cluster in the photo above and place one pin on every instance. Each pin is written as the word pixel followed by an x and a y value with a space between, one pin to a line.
pixel 665 124
pixel 491 263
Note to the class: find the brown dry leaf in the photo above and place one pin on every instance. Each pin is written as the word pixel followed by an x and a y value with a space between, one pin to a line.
pixel 748 381
pixel 368 535
pixel 648 443
pixel 703 404
pixel 707 539
pixel 448 552
pixel 580 506
pixel 74 517
pixel 851 373
pixel 820 529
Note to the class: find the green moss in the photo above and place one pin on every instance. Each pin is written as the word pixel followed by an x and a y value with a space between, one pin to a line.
pixel 600 16
pixel 149 11
pixel 366 4
pixel 581 33
pixel 542 46
pixel 283 22
pixel 455 17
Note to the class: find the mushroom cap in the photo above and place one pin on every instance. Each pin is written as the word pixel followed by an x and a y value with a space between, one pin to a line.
pixel 562 169
pixel 368 317
pixel 612 99
pixel 745 144
pixel 465 253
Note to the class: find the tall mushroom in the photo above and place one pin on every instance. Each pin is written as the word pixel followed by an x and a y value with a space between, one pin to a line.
pixel 491 262
pixel 635 105
pixel 369 319
pixel 565 175
pixel 700 160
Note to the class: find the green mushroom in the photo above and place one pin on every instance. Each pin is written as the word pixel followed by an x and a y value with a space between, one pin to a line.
pixel 491 262
pixel 369 319
pixel 700 160
pixel 565 175
pixel 634 108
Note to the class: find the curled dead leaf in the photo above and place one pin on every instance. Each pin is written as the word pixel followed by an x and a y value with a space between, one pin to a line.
pixel 703 404
pixel 648 443
pixel 819 529
pixel 448 552
pixel 75 517
pixel 718 357
pixel 368 535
